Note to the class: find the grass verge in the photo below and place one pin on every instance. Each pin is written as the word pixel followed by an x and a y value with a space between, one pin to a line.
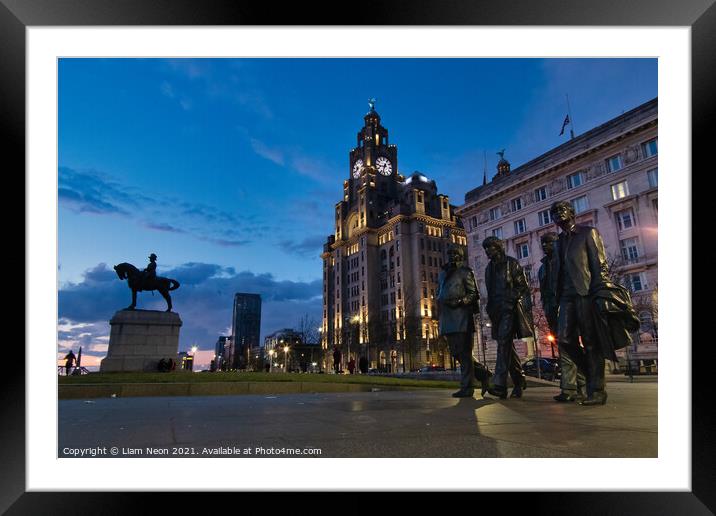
pixel 189 377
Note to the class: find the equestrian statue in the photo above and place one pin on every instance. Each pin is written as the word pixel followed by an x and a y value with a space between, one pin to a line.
pixel 146 280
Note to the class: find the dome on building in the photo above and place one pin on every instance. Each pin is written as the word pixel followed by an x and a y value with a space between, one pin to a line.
pixel 503 166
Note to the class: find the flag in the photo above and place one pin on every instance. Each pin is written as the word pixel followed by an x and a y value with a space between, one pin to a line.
pixel 564 124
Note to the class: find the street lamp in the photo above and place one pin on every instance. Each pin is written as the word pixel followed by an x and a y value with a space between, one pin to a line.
pixel 271 354
pixel 550 338
pixel 285 359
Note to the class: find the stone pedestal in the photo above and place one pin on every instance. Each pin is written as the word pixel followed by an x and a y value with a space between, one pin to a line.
pixel 139 339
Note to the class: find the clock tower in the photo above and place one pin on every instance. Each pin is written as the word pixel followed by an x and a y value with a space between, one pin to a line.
pixel 373 168
pixel 381 264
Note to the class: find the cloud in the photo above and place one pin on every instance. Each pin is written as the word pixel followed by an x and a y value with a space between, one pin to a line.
pixel 88 191
pixel 260 148
pixel 162 226
pixel 204 302
pixel 309 246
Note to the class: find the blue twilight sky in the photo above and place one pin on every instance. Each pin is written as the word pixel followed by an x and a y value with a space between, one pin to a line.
pixel 229 169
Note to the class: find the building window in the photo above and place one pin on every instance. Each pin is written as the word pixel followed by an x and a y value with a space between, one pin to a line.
pixel 637 282
pixel 523 250
pixel 520 226
pixel 544 218
pixel 575 180
pixel 630 249
pixel 614 163
pixel 541 194
pixel 649 148
pixel 625 219
pixel 653 176
pixel 620 190
pixel 497 232
pixel 473 222
pixel 495 213
pixel 580 204
pixel 516 204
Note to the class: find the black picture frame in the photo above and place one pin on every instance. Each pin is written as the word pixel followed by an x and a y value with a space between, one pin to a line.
pixel 700 15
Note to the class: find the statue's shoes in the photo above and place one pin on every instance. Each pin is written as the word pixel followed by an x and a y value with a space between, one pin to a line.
pixel 464 394
pixel 564 397
pixel 500 392
pixel 597 398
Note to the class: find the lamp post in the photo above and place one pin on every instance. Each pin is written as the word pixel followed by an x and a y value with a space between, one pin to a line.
pixel 271 354
pixel 193 353
pixel 285 359
pixel 550 338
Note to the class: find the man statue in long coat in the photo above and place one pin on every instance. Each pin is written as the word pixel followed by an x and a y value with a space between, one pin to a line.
pixel 591 308
pixel 572 380
pixel 458 300
pixel 509 306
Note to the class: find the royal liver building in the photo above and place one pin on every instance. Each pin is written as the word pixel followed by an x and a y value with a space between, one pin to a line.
pixel 381 264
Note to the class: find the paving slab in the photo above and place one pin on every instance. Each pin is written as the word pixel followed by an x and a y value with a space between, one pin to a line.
pixel 424 423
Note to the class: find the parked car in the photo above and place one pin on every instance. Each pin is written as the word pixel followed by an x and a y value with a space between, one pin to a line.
pixel 430 368
pixel 549 368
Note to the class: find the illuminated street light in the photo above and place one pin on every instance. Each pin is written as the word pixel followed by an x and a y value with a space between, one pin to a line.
pixel 550 338
pixel 285 358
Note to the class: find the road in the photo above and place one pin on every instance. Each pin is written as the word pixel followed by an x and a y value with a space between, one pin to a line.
pixel 426 423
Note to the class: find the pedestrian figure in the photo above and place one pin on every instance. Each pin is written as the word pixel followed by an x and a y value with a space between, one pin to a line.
pixel 336 359
pixel 69 362
pixel 363 364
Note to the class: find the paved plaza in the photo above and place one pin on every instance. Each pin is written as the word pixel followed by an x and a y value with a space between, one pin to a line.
pixel 425 423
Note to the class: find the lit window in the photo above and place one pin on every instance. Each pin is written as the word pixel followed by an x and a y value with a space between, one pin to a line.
pixel 620 190
pixel 649 148
pixel 614 163
pixel 580 204
pixel 653 176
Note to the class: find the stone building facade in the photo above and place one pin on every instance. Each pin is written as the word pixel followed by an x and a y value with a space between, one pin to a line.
pixel 610 175
pixel 380 266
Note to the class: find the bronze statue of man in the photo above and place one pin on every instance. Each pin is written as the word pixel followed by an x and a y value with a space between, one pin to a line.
pixel 509 306
pixel 572 380
pixel 581 270
pixel 458 299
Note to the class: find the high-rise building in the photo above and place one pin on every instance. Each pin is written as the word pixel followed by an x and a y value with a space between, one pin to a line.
pixel 245 328
pixel 381 265
pixel 222 353
pixel 610 176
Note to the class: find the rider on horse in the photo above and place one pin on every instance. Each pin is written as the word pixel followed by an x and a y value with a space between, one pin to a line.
pixel 150 273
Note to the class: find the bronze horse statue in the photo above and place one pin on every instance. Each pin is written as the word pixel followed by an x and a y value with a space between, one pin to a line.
pixel 136 281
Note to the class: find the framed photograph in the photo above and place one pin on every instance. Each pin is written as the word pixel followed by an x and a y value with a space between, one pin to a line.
pixel 264 160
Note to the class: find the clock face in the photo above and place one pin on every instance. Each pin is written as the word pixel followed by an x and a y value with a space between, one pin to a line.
pixel 384 166
pixel 357 167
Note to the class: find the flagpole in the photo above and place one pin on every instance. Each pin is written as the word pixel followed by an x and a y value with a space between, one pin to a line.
pixel 571 119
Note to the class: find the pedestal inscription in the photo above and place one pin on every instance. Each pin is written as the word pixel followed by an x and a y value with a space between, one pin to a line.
pixel 139 339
